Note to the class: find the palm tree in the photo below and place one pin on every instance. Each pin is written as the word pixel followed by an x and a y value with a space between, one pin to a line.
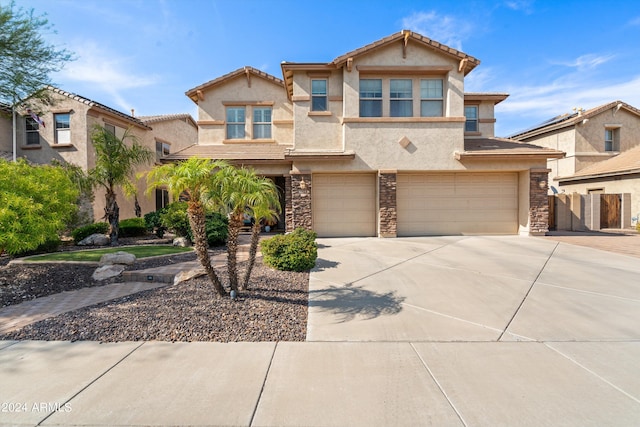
pixel 265 207
pixel 115 164
pixel 237 193
pixel 198 180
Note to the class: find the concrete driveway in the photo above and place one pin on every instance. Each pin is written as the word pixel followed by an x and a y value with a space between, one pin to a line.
pixel 471 288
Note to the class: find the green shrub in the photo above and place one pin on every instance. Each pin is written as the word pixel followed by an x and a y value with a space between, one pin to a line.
pixel 638 226
pixel 217 229
pixel 132 227
pixel 96 228
pixel 175 219
pixel 153 222
pixel 296 251
pixel 49 246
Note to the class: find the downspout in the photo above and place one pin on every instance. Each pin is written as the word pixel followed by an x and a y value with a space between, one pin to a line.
pixel 13 118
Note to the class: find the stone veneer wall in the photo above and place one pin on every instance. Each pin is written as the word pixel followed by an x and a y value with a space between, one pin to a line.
pixel 388 214
pixel 538 202
pixel 288 211
pixel 301 201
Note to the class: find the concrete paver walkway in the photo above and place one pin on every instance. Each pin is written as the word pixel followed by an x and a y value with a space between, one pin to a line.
pixel 446 331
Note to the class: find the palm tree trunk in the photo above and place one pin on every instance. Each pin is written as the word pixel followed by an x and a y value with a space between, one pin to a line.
pixel 197 221
pixel 112 215
pixel 235 224
pixel 253 250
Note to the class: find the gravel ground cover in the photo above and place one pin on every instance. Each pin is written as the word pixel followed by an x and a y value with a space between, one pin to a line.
pixel 273 309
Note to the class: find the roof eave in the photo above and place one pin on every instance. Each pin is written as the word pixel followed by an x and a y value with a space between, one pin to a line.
pixel 507 156
pixel 597 175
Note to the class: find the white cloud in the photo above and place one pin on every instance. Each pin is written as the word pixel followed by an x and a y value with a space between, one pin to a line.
pixel 108 71
pixel 442 28
pixel 520 5
pixel 589 61
pixel 635 22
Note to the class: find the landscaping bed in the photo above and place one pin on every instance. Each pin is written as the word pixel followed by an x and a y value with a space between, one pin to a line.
pixel 273 309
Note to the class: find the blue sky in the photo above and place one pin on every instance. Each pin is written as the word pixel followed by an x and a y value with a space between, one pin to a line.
pixel 550 56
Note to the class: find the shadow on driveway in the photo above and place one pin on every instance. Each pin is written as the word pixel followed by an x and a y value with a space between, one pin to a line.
pixel 350 301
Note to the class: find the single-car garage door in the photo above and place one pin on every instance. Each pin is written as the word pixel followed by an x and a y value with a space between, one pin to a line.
pixel 344 204
pixel 457 203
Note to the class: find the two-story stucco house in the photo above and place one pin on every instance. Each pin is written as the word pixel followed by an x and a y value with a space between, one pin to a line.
pixel 381 141
pixel 66 137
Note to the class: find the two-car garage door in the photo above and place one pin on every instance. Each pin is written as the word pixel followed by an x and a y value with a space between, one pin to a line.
pixel 457 203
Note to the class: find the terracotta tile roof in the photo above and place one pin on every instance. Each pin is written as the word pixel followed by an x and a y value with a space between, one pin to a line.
pixel 622 164
pixel 193 93
pixel 485 148
pixel 168 117
pixel 256 151
pixel 571 119
pixel 471 62
pixel 100 106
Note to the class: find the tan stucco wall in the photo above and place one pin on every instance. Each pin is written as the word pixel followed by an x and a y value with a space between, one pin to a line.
pixel 6 136
pixel 212 108
pixel 178 133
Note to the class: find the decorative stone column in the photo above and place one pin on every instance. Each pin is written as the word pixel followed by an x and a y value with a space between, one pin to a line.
pixel 538 202
pixel 301 200
pixel 387 214
pixel 288 211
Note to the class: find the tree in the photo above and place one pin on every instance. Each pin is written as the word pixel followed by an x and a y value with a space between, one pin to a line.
pixel 265 207
pixel 199 181
pixel 36 203
pixel 115 167
pixel 26 60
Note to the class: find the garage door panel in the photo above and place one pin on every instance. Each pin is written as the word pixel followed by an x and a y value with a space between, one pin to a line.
pixel 344 204
pixel 457 203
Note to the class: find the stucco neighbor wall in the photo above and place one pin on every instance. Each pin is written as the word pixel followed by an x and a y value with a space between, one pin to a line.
pixel 178 133
pixel 6 135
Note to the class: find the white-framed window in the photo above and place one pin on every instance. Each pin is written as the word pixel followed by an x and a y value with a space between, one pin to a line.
pixel 370 97
pixel 162 150
pixel 162 198
pixel 400 98
pixel 431 98
pixel 319 95
pixel 261 122
pixel 62 128
pixel 236 117
pixel 32 131
pixel 611 136
pixel 471 115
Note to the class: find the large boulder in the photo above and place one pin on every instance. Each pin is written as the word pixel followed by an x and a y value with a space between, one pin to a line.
pixel 95 240
pixel 107 271
pixel 188 274
pixel 181 241
pixel 119 257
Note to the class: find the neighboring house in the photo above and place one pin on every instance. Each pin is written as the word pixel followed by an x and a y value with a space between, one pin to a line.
pixel 382 141
pixel 619 174
pixel 587 137
pixel 66 137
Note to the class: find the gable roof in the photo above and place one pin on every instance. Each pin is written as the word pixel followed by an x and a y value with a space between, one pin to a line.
pixel 168 117
pixel 99 106
pixel 237 152
pixel 406 35
pixel 500 148
pixel 624 163
pixel 571 119
pixel 246 71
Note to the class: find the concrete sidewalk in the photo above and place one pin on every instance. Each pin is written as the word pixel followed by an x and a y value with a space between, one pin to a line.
pixel 446 331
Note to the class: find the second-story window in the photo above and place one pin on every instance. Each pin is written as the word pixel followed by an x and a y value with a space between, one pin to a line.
pixel 110 128
pixel 235 122
pixel 611 139
pixel 63 128
pixel 370 98
pixel 471 115
pixel 162 150
pixel 319 95
pixel 262 123
pixel 431 99
pixel 400 98
pixel 32 131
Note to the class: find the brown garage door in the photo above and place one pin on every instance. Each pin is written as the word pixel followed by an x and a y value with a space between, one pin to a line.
pixel 344 204
pixel 457 203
